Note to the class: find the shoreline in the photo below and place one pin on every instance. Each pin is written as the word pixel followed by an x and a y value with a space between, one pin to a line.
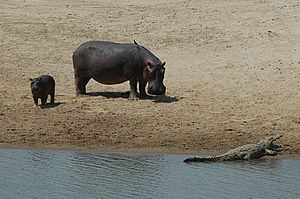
pixel 280 156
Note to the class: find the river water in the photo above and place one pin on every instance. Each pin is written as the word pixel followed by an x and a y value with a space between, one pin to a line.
pixel 71 174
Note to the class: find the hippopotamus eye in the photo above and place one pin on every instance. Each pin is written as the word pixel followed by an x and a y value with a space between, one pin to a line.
pixel 152 69
pixel 38 83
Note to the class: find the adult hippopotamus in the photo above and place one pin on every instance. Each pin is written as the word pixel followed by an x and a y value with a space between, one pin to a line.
pixel 114 63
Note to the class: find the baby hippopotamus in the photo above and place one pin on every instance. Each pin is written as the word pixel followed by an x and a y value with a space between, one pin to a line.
pixel 41 87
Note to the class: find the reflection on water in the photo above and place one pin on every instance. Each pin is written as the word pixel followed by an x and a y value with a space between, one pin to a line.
pixel 60 174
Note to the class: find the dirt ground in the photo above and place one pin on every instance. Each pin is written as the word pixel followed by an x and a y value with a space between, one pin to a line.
pixel 233 74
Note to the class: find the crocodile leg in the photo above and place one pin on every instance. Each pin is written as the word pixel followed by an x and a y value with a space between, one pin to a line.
pixel 270 152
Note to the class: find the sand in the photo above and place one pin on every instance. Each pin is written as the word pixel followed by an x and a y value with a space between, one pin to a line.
pixel 233 71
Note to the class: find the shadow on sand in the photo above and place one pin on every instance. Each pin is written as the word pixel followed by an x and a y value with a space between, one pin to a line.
pixel 164 99
pixel 109 94
pixel 51 105
pixel 156 99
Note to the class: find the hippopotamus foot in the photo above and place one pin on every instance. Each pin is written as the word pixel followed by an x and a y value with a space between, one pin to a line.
pixel 80 92
pixel 133 96
pixel 35 106
pixel 145 96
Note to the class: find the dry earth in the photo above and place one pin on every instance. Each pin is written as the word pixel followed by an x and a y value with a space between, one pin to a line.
pixel 233 72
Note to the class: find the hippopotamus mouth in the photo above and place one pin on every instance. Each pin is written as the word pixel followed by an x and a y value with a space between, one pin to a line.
pixel 155 88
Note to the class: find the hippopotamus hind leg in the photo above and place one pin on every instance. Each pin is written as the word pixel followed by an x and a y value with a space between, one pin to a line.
pixel 44 99
pixel 81 82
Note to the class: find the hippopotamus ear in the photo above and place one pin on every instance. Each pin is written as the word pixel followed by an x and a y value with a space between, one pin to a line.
pixel 163 64
pixel 30 79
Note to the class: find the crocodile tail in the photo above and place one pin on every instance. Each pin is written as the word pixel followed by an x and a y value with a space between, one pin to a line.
pixel 202 159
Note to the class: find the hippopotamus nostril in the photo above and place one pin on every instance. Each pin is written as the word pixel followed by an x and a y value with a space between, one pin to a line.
pixel 35 88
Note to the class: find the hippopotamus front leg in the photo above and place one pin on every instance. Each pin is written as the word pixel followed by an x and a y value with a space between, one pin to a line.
pixel 133 89
pixel 142 88
pixel 35 99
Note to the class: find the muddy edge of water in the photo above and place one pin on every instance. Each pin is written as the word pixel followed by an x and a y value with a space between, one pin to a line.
pixel 163 151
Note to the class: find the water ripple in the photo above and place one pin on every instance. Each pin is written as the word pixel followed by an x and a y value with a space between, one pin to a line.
pixel 60 174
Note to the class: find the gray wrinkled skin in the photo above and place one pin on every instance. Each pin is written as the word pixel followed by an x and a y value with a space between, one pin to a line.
pixel 245 152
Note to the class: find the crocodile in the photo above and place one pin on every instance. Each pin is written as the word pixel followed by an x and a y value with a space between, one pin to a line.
pixel 245 152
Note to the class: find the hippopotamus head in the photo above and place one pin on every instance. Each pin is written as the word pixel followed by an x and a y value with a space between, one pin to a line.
pixel 36 85
pixel 154 74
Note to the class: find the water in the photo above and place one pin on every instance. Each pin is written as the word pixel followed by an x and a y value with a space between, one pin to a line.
pixel 65 174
